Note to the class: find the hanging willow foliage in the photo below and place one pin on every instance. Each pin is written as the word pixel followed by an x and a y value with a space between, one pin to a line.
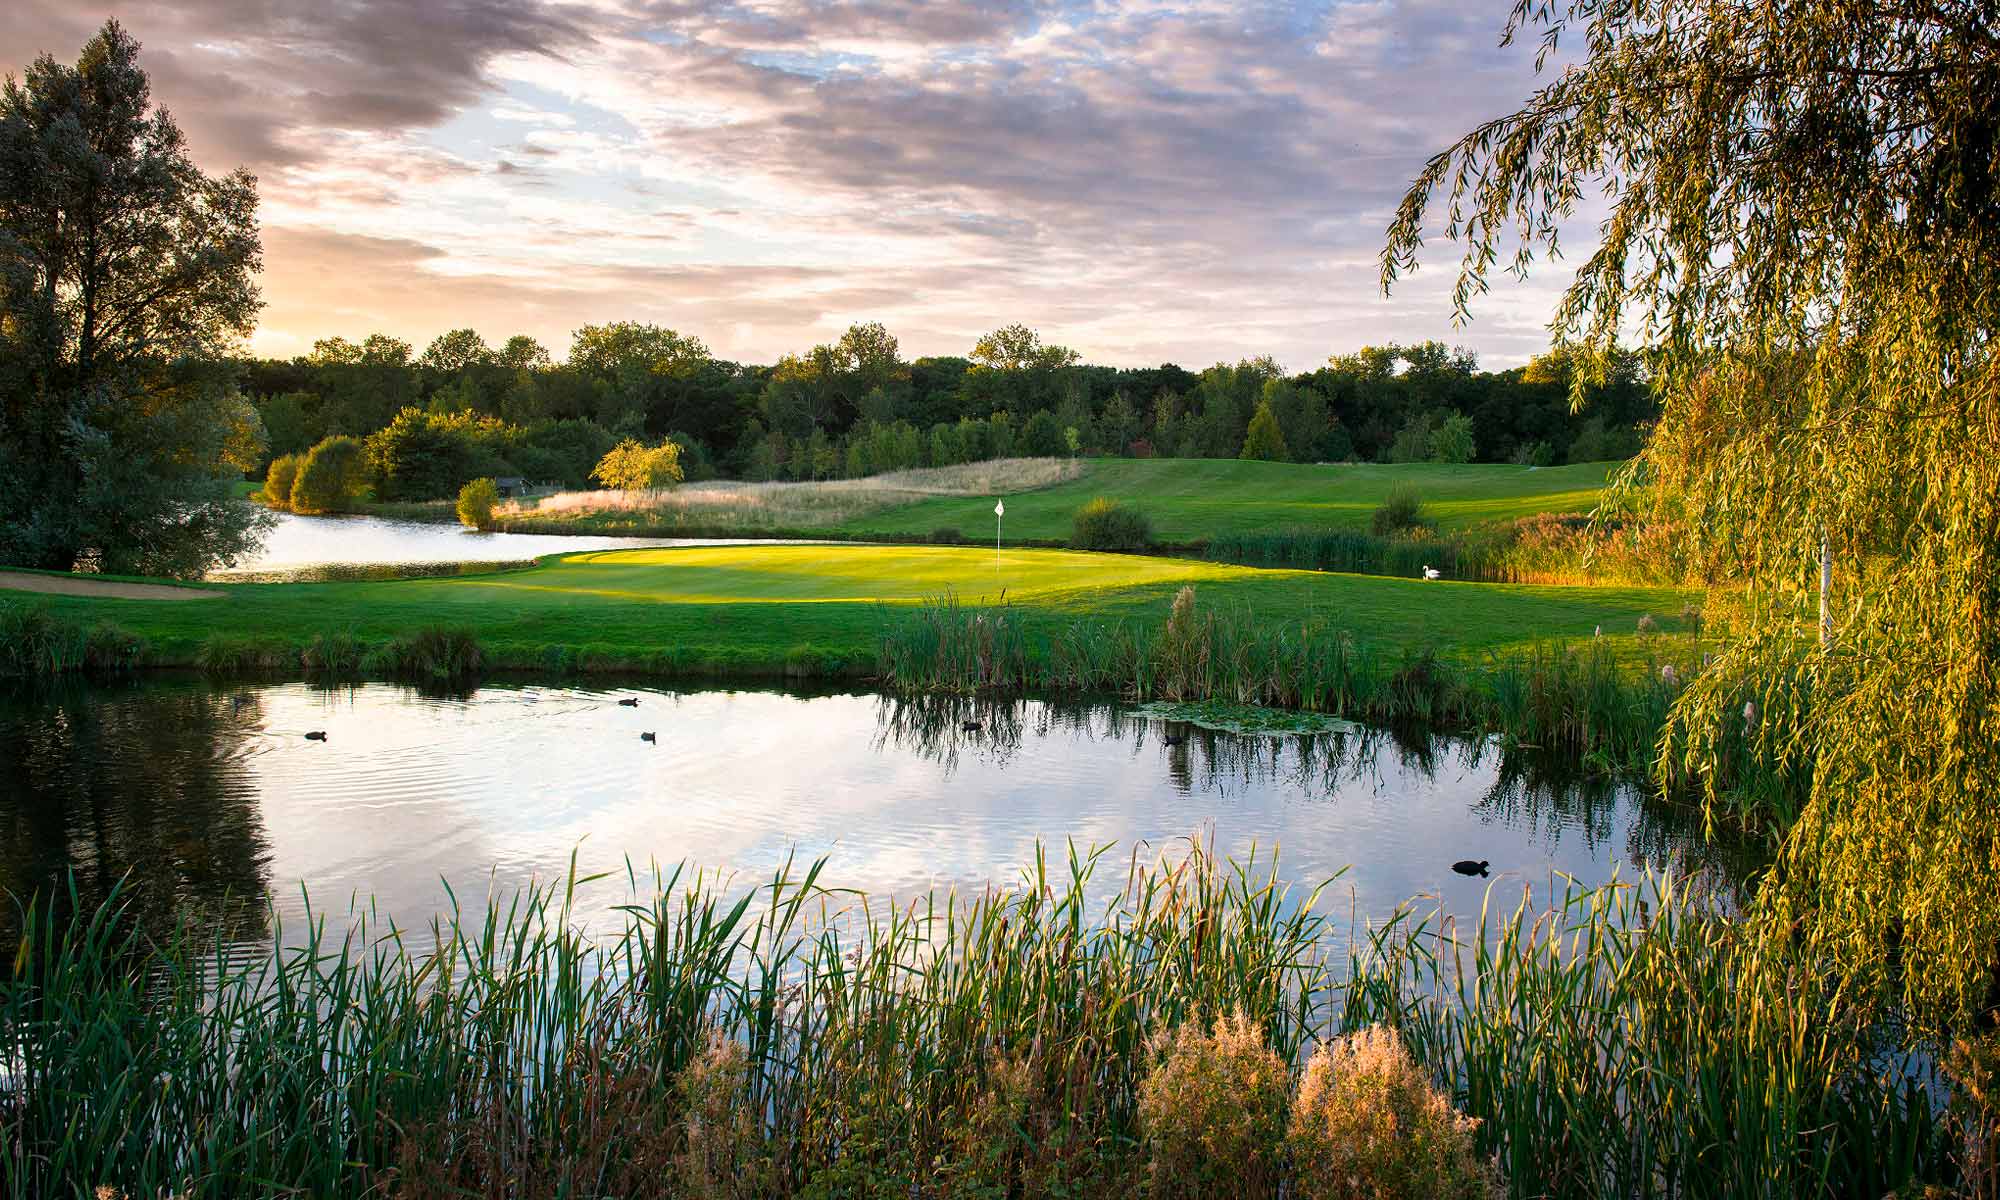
pixel 1804 226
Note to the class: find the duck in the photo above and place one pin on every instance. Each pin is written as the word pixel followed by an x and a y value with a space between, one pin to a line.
pixel 1431 572
pixel 630 702
pixel 317 735
pixel 1174 739
pixel 1466 866
pixel 648 737
pixel 971 726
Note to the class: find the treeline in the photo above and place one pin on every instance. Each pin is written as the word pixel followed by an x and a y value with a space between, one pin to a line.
pixel 464 409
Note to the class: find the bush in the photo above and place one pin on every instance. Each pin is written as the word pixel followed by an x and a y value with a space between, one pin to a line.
pixel 331 653
pixel 1107 524
pixel 475 503
pixel 947 535
pixel 332 477
pixel 1402 511
pixel 1451 441
pixel 1369 1125
pixel 278 480
pixel 1213 1112
pixel 1041 437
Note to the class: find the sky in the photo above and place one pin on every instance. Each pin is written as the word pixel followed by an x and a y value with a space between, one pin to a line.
pixel 1145 182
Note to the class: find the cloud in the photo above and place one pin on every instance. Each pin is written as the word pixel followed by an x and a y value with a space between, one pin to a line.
pixel 1143 180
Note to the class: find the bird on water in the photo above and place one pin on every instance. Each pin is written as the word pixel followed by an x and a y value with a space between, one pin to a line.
pixel 647 737
pixel 317 735
pixel 1466 866
pixel 630 702
pixel 971 726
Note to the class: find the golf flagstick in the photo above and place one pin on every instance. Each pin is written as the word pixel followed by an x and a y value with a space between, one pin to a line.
pixel 999 510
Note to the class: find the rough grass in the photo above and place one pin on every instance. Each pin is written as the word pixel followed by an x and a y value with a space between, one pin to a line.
pixel 787 507
pixel 820 610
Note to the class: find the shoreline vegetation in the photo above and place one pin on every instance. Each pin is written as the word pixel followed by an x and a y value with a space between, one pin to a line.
pixel 783 1037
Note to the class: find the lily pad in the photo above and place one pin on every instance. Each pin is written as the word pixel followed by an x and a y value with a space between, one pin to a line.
pixel 1249 719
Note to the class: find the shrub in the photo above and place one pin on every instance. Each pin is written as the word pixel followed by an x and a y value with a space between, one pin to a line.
pixel 1107 524
pixel 946 535
pixel 719 1160
pixel 278 480
pixel 332 477
pixel 233 654
pixel 1212 1109
pixel 1401 511
pixel 1369 1125
pixel 475 503
pixel 1041 437
pixel 1535 454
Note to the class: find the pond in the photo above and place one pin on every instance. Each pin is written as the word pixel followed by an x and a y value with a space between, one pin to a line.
pixel 346 547
pixel 214 802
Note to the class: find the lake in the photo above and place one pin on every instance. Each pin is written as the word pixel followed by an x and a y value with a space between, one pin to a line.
pixel 313 547
pixel 214 802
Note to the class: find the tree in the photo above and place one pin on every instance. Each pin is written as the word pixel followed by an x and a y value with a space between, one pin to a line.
pixel 523 353
pixel 1264 440
pixel 475 503
pixel 632 465
pixel 332 477
pixel 453 352
pixel 1805 226
pixel 1041 437
pixel 1451 440
pixel 126 274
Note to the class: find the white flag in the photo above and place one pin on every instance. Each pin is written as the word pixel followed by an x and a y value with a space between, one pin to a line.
pixel 1000 508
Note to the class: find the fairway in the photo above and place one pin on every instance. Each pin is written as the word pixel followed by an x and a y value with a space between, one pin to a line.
pixel 761 607
pixel 1192 500
pixel 849 574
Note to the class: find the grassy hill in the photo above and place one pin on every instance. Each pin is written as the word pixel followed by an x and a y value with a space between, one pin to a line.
pixel 1195 499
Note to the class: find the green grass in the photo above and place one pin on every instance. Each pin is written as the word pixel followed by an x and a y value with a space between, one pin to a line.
pixel 1192 500
pixel 821 609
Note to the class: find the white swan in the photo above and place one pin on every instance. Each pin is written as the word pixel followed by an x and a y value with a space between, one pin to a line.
pixel 1431 572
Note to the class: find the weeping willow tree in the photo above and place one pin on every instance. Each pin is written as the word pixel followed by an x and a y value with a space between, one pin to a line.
pixel 1800 218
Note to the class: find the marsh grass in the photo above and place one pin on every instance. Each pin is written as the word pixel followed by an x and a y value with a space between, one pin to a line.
pixel 778 507
pixel 793 1039
pixel 37 643
pixel 1578 700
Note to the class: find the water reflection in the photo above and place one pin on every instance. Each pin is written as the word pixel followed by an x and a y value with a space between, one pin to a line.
pixel 320 549
pixel 153 787
pixel 212 799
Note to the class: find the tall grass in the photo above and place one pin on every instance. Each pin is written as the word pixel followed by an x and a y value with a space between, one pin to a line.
pixel 36 643
pixel 1578 700
pixel 796 1040
pixel 723 506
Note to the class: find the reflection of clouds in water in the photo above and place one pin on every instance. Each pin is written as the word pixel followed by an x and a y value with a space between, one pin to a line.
pixel 496 789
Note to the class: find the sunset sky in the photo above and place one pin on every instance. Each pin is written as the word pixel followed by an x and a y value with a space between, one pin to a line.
pixel 1145 182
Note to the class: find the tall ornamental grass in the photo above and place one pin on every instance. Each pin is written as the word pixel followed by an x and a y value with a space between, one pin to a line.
pixel 794 1040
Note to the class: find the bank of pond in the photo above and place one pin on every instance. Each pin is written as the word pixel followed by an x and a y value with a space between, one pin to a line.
pixel 840 943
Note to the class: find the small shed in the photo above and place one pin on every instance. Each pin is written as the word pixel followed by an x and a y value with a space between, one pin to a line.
pixel 510 486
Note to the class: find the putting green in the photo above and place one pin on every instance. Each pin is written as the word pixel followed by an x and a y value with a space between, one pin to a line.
pixel 851 574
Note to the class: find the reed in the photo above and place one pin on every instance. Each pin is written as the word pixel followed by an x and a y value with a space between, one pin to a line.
pixel 1580 701
pixel 1476 554
pixel 36 643
pixel 794 1039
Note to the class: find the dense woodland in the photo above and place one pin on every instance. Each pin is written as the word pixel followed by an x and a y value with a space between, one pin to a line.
pixel 462 409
